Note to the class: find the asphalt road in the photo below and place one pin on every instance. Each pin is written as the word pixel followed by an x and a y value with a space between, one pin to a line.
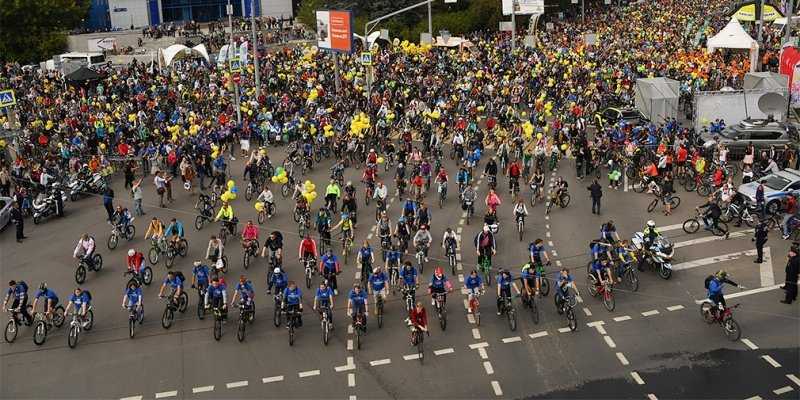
pixel 654 344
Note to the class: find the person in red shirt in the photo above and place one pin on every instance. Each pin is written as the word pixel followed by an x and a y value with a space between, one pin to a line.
pixel 514 171
pixel 682 155
pixel 249 235
pixel 308 248
pixel 418 320
pixel 135 260
pixel 417 183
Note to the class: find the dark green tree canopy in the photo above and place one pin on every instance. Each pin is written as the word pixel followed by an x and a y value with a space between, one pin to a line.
pixel 34 30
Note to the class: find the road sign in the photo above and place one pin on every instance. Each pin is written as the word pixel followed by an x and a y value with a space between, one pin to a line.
pixel 366 58
pixel 236 65
pixel 7 98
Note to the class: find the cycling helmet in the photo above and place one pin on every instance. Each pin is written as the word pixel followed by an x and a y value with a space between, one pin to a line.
pixel 721 274
pixel 376 270
pixel 423 226
pixel 449 229
pixel 43 286
pixel 276 270
pixel 438 271
pixel 651 223
pixel 345 215
pixel 131 252
pixel 197 263
pixel 402 219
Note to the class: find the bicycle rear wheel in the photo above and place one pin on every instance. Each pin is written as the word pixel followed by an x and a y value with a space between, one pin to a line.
pixel 217 328
pixel 652 205
pixel 40 333
pixel 608 299
pixel 732 329
pixel 512 319
pixel 571 320
pixel 691 225
pixel 72 338
pixel 240 333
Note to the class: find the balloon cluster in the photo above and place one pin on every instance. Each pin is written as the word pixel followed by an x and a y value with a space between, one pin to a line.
pixel 309 191
pixel 214 151
pixel 359 124
pixel 435 114
pixel 313 95
pixel 280 176
pixel 327 131
pixel 527 129
pixel 231 193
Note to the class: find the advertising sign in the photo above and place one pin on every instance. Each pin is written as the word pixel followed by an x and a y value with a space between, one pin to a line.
pixel 790 66
pixel 746 11
pixel 523 7
pixel 335 30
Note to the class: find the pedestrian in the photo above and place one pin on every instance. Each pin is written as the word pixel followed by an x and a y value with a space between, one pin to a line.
pixel 596 192
pixel 19 220
pixel 161 187
pixel 792 271
pixel 760 237
pixel 108 202
pixel 760 205
pixel 136 192
pixel 130 170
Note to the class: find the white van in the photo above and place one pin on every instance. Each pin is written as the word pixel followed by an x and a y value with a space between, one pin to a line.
pixel 92 60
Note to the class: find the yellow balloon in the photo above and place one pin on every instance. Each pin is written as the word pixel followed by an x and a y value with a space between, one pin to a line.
pixel 259 206
pixel 284 179
pixel 275 179
pixel 539 136
pixel 231 184
pixel 102 146
pixel 380 160
pixel 564 147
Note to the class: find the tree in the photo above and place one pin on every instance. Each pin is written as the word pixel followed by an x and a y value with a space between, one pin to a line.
pixel 34 30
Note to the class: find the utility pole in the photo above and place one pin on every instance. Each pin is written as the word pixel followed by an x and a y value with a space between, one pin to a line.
pixel 513 23
pixel 231 54
pixel 255 46
pixel 430 21
pixel 789 11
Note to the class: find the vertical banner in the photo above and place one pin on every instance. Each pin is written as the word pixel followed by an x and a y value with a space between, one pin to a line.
pixel 789 62
pixel 335 30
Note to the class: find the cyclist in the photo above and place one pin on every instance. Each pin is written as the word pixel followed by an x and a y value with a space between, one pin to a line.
pixel 385 230
pixel 156 227
pixel 538 257
pixel 347 227
pixel 85 250
pixel 485 245
pixel 135 263
pixel 323 223
pixel 324 299
pixel 514 172
pixel 491 170
pixel 409 274
pixel 598 267
pixel 293 302
pixel 81 300
pixel 250 237
pixel 449 241
pixel 377 285
pixel 277 279
pixel 366 257
pixel 441 178
pixel 714 285
pixel 244 291
pixel 561 187
pixel 268 199
pixel 50 302
pixel 174 230
pixel 132 298
pixel 423 216
pixel 418 320
pixel 200 276
pixel 215 249
pixel 175 283
pixel 17 294
pixel 462 178
pixel 537 182
pixel 357 303
pixel 329 267
pixel 275 245
pixel 520 210
pixel 403 232
pixel 307 249
pixel 332 194
pixel 409 210
pixel 712 213
pixel 608 232
pixel 380 194
pixel 227 216
pixel 474 285
pixel 504 284
pixel 121 218
pixel 492 201
pixel 564 281
pixel 528 277
pixel 439 285
pixel 423 239
pixel 217 297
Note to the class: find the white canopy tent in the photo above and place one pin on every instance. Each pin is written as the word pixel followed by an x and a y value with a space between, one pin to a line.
pixel 657 98
pixel 732 36
pixel 179 51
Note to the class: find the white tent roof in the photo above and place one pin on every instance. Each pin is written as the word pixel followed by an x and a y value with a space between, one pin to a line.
pixel 732 36
pixel 179 51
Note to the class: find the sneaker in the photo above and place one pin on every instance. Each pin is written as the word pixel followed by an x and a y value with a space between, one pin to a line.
pixel 269 291
pixel 335 292
pixel 785 237
pixel 498 313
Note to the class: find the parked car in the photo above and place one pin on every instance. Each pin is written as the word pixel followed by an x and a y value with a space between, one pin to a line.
pixel 5 211
pixel 762 133
pixel 612 115
pixel 777 187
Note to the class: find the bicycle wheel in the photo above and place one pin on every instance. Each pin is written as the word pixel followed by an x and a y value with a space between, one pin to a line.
pixel 199 221
pixel 240 332
pixel 112 242
pixel 420 347
pixel 147 275
pixel 691 225
pixel 512 319
pixel 169 260
pixel 217 328
pixel 261 217
pixel 153 255
pixel 246 259
pixel 80 274
pixel 632 277
pixel 564 200
pixel 380 315
pixel 732 329
pixel 58 317
pixel 97 259
pixel 443 319
pixel 705 312
pixel 726 215
pixel 130 232
pixel 248 193
pixel 276 316
pixel 520 229
pixel 534 311
pixel 72 338
pixel 721 229
pixel 167 318
pixel 608 299
pixel 545 286
pixel 11 331
pixel 308 278
pixel 39 333
pixel 325 330
pixel 131 327
pixel 358 338
pixel 690 185
pixel 571 320
pixel 704 190
pixel 652 205
pixel 183 302
pixel 674 202
pixel 639 187
pixel 183 247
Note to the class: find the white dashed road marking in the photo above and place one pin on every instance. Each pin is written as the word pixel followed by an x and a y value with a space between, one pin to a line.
pixel 794 379
pixel 271 379
pixel 442 352
pixel 563 330
pixel 238 384
pixel 132 398
pixel 476 334
pixel 587 311
pixel 771 361
pixel 675 308
pixel 164 395
pixel 411 357
pixel 785 389
pixel 482 353
pixel 478 345
pixel 496 387
pixel 622 318
pixel 749 344
pixel 610 342
pixel 622 359
pixel 652 397
pixel 306 374
pixel 351 380
pixel 649 313
pixel 637 378
pixel 538 334
pixel 380 362
pixel 512 339
pixel 487 365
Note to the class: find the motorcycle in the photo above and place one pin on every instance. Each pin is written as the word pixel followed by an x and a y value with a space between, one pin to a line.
pixel 660 254
pixel 45 206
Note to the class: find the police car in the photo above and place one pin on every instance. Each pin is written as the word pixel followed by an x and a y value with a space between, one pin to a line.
pixel 777 187
pixel 612 115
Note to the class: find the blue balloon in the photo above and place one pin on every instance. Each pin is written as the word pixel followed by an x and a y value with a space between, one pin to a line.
pixel 235 190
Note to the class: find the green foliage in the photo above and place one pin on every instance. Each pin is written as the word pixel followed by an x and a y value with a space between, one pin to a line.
pixel 460 18
pixel 34 30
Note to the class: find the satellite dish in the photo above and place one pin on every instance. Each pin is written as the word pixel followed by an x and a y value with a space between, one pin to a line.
pixel 772 103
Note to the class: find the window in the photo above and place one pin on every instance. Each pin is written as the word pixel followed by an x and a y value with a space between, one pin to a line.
pixel 776 182
pixel 794 186
pixel 97 59
pixel 611 115
pixel 765 135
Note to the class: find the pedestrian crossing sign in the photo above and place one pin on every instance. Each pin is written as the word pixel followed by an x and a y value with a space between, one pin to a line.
pixel 236 65
pixel 366 58
pixel 7 98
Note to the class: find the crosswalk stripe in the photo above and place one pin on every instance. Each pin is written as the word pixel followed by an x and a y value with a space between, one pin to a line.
pixel 707 239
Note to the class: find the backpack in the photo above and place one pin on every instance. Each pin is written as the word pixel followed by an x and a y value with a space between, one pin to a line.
pixel 179 274
pixel 708 281
pixel 88 294
pixel 23 285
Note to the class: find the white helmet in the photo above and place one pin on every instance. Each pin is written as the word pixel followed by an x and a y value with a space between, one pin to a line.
pixel 131 252
pixel 276 271
pixel 651 223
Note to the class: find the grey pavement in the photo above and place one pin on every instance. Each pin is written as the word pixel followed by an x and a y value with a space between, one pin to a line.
pixel 654 344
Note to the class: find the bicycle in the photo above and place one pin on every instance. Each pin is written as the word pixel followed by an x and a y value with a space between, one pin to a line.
pixel 507 309
pixel 157 247
pixel 691 225
pixel 723 317
pixel 441 310
pixel 135 314
pixel 277 314
pixel 485 266
pixel 450 251
pixel 206 216
pixel 603 290
pixel 266 212
pixel 127 232
pixel 347 245
pixel 566 305
pixel 379 303
pixel 536 192
pixel 562 200
pixel 417 339
pixel 409 296
pixel 12 327
pixel 674 202
pixel 219 316
pixel 292 324
pixel 628 274
pixel 250 251
pixel 309 263
pixel 521 225
pixel 247 314
pixel 78 324
pixel 325 323
pixel 529 300
pixel 227 228
pixel 442 193
pixel 475 306
pixel 740 211
pixel 168 317
pixel 142 278
pixel 359 328
pixel 201 301
pixel 43 322
pixel 83 267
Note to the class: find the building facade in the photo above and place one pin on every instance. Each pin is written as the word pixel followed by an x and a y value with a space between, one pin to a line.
pixel 124 14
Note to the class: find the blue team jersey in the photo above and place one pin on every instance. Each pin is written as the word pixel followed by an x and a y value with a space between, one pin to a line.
pixel 564 279
pixel 324 295
pixel 597 266
pixel 216 292
pixel 365 253
pixel 505 282
pixel 245 289
pixel 378 281
pixel 409 276
pixel 48 293
pixel 133 295
pixel 292 297
pixel 80 300
pixel 175 282
pixel 279 280
pixel 438 283
pixel 536 253
pixel 473 282
pixel 358 299
pixel 200 273
pixel 393 255
pixel 329 262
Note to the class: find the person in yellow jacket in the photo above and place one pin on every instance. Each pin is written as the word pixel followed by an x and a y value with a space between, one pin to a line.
pixel 226 215
pixel 332 193
pixel 157 229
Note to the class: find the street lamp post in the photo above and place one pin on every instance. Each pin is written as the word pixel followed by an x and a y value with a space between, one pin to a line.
pixel 514 5
pixel 231 53
pixel 255 46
